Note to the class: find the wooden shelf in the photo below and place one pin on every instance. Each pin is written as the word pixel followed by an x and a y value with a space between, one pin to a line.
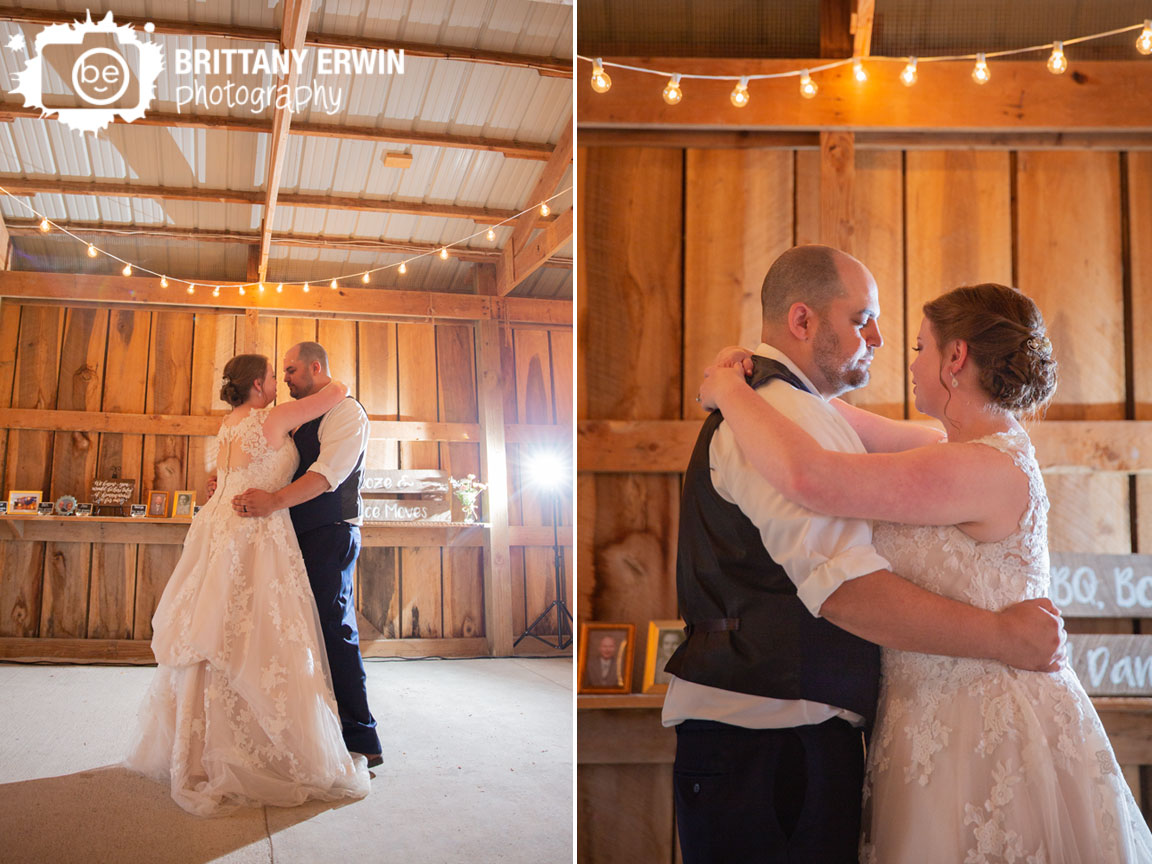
pixel 621 700
pixel 125 529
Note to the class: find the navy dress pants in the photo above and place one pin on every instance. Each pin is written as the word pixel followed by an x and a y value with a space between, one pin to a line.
pixel 768 796
pixel 330 553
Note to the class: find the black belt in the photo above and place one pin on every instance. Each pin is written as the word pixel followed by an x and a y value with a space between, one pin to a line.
pixel 713 625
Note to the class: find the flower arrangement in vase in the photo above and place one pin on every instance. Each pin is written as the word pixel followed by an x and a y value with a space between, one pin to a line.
pixel 468 491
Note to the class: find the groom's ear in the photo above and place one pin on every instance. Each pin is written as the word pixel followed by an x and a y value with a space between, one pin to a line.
pixel 801 321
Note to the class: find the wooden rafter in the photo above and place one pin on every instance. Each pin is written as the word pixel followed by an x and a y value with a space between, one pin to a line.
pixel 4 235
pixel 51 185
pixel 367 302
pixel 1099 96
pixel 295 26
pixel 29 227
pixel 508 274
pixel 510 149
pixel 515 268
pixel 553 67
pixel 862 27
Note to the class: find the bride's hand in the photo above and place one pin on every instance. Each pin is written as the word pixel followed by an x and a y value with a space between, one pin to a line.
pixel 719 381
pixel 734 355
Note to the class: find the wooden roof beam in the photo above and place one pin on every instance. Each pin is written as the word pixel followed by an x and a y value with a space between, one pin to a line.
pixel 294 28
pixel 1022 96
pixel 515 267
pixel 510 149
pixel 552 67
pixel 30 228
pixel 50 185
pixel 4 242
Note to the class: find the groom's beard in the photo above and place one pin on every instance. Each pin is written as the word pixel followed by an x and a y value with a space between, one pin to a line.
pixel 840 374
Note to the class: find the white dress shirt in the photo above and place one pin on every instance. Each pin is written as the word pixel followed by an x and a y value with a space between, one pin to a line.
pixel 343 436
pixel 818 552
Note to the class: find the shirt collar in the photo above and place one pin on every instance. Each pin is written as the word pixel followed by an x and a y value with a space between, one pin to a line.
pixel 772 353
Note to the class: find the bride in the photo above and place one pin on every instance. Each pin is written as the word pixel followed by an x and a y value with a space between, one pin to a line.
pixel 240 710
pixel 970 760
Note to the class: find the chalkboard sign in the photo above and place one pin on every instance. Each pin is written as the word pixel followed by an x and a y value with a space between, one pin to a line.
pixel 1102 586
pixel 1112 665
pixel 392 495
pixel 110 495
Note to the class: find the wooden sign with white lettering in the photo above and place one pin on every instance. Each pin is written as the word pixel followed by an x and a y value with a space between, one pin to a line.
pixel 110 495
pixel 391 495
pixel 1112 665
pixel 1102 586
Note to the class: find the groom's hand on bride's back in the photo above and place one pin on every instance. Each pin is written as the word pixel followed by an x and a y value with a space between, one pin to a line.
pixel 1034 637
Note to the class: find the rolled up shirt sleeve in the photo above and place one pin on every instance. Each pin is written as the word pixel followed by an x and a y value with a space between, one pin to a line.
pixel 343 435
pixel 818 552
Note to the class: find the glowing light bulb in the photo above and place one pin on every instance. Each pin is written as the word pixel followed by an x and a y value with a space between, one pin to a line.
pixel 672 94
pixel 544 209
pixel 333 285
pixel 306 288
pixel 981 74
pixel 91 251
pixel 45 225
pixel 280 288
pixel 808 87
pixel 739 96
pixel 127 271
pixel 403 268
pixel 242 291
pixel 216 291
pixel 858 71
pixel 260 288
pixel 443 253
pixel 164 282
pixel 364 278
pixel 601 83
pixel 1057 63
pixel 491 235
pixel 1144 41
pixel 191 289
pixel 908 76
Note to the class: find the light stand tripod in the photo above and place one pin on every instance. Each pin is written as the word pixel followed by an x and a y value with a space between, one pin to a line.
pixel 559 603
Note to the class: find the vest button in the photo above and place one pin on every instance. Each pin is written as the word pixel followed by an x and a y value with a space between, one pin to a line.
pixel 695 787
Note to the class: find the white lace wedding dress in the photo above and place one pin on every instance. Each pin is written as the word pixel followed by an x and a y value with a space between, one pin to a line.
pixel 972 761
pixel 240 710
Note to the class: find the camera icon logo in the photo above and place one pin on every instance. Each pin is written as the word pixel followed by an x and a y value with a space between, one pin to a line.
pixel 101 71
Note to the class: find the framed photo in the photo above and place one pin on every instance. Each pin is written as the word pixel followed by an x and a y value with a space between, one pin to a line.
pixel 24 502
pixel 605 664
pixel 157 505
pixel 185 501
pixel 664 637
pixel 139 511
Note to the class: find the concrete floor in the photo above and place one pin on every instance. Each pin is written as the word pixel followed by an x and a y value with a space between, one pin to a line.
pixel 477 768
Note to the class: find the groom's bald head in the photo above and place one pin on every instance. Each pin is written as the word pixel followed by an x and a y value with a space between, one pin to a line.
pixel 803 274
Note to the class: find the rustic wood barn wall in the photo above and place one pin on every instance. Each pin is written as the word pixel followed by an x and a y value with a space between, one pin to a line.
pixel 673 245
pixel 98 375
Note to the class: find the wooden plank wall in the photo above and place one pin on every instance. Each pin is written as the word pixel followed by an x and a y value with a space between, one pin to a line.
pixel 673 247
pixel 170 362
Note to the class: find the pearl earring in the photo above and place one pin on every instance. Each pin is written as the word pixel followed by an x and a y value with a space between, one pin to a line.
pixel 955 383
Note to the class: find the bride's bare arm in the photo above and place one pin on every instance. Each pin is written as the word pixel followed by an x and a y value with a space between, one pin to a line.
pixel 288 416
pixel 955 485
pixel 884 435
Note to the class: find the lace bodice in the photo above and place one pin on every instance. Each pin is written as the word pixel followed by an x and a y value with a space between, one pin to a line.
pixel 944 559
pixel 246 460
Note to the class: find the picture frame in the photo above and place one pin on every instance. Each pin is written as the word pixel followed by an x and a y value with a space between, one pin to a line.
pixel 24 501
pixel 183 503
pixel 664 637
pixel 157 504
pixel 605 657
pixel 3 508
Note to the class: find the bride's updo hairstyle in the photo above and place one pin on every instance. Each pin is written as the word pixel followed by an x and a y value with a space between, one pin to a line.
pixel 1006 338
pixel 240 373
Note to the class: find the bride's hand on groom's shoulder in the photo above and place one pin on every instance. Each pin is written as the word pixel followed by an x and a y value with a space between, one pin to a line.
pixel 735 355
pixel 1034 636
pixel 719 380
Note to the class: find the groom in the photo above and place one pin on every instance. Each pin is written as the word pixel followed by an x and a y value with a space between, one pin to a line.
pixel 324 498
pixel 775 681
